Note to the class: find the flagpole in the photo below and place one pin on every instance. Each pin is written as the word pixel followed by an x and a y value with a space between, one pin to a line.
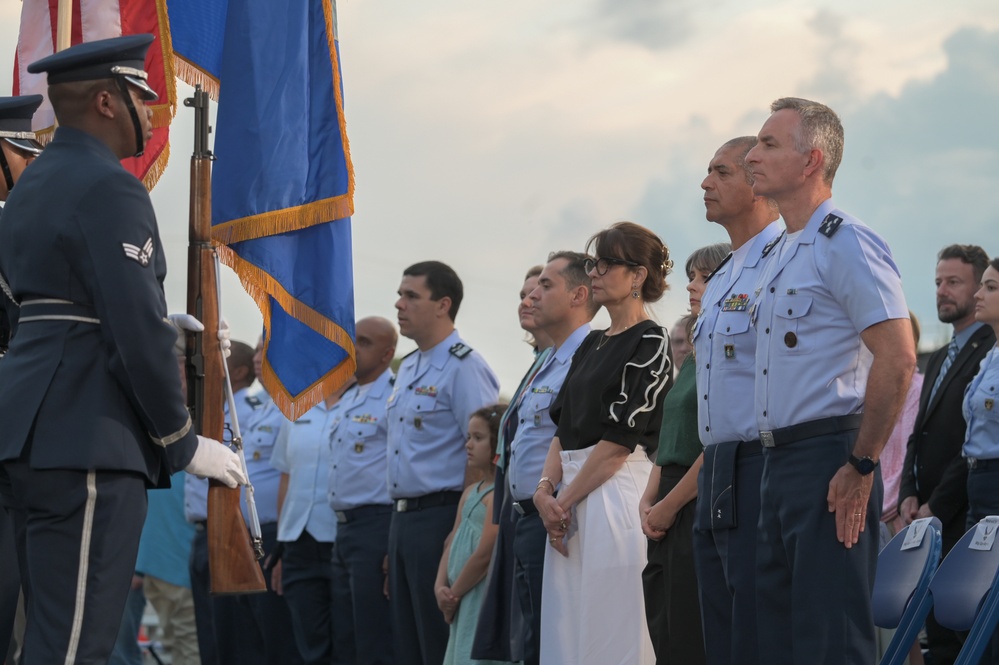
pixel 64 25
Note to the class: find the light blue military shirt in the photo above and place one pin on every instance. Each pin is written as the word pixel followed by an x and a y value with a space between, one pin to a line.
pixel 302 451
pixel 535 429
pixel 815 298
pixel 358 442
pixel 725 346
pixel 260 431
pixel 435 394
pixel 981 410
pixel 195 488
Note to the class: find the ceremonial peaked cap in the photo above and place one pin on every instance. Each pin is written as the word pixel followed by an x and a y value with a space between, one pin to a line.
pixel 15 122
pixel 101 59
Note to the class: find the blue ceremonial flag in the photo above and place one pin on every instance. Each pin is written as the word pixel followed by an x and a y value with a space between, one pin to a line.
pixel 283 185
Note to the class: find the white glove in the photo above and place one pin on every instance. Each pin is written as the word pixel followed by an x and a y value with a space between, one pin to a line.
pixel 214 460
pixel 184 322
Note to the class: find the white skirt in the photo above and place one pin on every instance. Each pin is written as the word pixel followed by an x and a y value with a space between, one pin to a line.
pixel 592 602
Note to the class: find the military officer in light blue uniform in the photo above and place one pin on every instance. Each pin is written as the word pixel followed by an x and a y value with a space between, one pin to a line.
pixel 563 310
pixel 438 388
pixel 728 487
pixel 834 358
pixel 90 397
pixel 358 494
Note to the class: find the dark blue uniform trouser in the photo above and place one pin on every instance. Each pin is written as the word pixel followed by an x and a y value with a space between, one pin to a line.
pixel 10 580
pixel 670 585
pixel 416 543
pixel 529 565
pixel 81 537
pixel 322 637
pixel 726 561
pixel 813 594
pixel 983 500
pixel 361 546
pixel 255 628
pixel 204 613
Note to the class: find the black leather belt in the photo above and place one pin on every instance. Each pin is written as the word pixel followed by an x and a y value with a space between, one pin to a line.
pixel 354 514
pixel 981 464
pixel 749 448
pixel 201 525
pixel 810 430
pixel 446 498
pixel 525 507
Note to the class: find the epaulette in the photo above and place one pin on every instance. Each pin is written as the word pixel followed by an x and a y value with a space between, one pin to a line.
pixel 460 350
pixel 254 401
pixel 718 267
pixel 773 243
pixel 830 225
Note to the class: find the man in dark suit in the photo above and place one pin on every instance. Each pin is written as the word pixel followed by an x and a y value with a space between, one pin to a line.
pixel 935 476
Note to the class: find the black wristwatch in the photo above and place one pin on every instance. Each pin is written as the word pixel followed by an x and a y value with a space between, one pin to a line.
pixel 864 465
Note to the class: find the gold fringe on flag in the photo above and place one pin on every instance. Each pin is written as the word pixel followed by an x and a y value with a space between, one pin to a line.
pixel 191 74
pixel 157 168
pixel 284 220
pixel 261 286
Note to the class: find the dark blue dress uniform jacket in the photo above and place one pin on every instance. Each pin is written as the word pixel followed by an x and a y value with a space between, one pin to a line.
pixel 78 227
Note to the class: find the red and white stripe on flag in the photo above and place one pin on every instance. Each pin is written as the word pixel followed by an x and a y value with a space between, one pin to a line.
pixel 103 19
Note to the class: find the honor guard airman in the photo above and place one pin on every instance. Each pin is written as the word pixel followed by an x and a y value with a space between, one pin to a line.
pixel 834 357
pixel 90 396
pixel 728 492
pixel 358 494
pixel 438 388
pixel 18 147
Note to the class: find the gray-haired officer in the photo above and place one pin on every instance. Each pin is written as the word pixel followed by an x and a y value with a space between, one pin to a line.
pixel 90 396
pixel 834 356
pixel 18 147
pixel 728 487
pixel 438 388
pixel 358 442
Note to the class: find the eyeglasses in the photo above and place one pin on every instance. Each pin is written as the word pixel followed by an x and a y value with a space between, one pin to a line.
pixel 605 263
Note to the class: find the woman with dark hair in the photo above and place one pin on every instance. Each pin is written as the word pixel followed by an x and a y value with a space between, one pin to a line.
pixel 667 506
pixel 607 415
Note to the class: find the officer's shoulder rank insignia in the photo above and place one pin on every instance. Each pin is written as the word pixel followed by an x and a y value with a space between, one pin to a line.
pixel 254 401
pixel 460 350
pixel 141 255
pixel 769 247
pixel 830 225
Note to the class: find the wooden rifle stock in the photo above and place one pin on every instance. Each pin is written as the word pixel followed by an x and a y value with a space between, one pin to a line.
pixel 232 564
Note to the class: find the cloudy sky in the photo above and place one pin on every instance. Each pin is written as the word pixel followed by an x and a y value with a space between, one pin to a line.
pixel 487 134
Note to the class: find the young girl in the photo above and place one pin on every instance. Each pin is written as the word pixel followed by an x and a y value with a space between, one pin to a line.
pixel 469 546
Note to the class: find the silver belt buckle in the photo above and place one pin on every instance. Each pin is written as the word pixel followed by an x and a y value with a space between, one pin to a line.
pixel 972 463
pixel 401 505
pixel 341 517
pixel 767 439
pixel 519 508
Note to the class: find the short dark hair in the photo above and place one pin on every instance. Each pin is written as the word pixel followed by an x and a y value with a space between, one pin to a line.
pixel 633 242
pixel 442 281
pixel 973 255
pixel 241 355
pixel 575 273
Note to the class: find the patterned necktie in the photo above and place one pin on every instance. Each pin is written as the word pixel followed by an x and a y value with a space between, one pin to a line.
pixel 948 361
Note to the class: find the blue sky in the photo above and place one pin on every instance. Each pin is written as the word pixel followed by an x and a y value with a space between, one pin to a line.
pixel 488 134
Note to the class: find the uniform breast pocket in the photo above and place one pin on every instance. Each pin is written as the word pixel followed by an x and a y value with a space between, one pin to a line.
pixel 423 412
pixel 790 324
pixel 361 436
pixel 734 348
pixel 538 414
pixel 987 403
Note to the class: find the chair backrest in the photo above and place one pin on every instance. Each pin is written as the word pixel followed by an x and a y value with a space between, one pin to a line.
pixel 965 577
pixel 903 575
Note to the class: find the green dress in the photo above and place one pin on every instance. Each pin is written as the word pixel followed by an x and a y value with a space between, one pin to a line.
pixel 465 542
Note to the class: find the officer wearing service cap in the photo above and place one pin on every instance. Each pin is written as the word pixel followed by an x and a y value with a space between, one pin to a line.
pixel 18 147
pixel 89 393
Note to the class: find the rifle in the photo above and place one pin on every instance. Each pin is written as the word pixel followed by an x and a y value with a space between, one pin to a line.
pixel 232 562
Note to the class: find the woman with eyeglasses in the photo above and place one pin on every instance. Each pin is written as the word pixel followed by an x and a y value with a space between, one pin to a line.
pixel 607 416
pixel 667 507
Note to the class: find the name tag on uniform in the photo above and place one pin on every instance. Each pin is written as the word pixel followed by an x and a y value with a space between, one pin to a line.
pixel 985 534
pixel 537 420
pixel 542 390
pixel 266 428
pixel 736 303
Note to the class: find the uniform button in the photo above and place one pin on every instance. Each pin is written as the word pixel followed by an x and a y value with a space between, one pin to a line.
pixel 764 372
pixel 711 335
pixel 708 366
pixel 705 397
pixel 400 417
pixel 707 429
pixel 764 414
pixel 771 289
pixel 789 312
pixel 397 452
pixel 768 331
pixel 728 329
pixel 395 484
pixel 521 421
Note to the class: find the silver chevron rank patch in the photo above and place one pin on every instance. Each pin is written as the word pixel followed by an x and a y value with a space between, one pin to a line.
pixel 141 255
